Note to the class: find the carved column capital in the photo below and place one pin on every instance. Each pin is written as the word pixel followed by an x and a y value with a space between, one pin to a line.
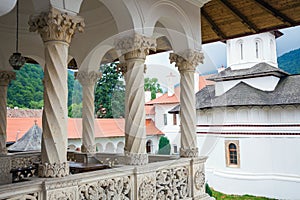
pixel 55 25
pixel 135 46
pixel 6 77
pixel 88 78
pixel 187 60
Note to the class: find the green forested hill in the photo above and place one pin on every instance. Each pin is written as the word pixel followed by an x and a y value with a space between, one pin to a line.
pixel 27 90
pixel 290 62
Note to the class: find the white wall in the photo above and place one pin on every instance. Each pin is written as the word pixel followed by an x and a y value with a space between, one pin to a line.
pixel 160 110
pixel 269 166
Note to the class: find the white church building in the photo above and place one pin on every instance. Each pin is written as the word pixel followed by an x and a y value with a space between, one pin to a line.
pixel 248 122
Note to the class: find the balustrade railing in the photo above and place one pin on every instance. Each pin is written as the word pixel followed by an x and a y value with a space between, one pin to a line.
pixel 181 178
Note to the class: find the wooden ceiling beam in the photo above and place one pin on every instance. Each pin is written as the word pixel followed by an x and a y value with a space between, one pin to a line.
pixel 276 13
pixel 214 26
pixel 240 16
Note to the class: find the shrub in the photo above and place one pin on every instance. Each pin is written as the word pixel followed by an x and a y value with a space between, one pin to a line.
pixel 208 190
pixel 164 146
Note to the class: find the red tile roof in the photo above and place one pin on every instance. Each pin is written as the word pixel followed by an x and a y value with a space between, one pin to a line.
pixel 203 82
pixel 17 127
pixel 165 99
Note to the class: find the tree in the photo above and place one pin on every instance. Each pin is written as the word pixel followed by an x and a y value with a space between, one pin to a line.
pixel 110 93
pixel 164 146
pixel 153 86
pixel 75 110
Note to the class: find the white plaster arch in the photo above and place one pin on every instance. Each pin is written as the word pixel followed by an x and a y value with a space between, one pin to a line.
pixel 240 49
pixel 179 26
pixel 93 60
pixel 120 147
pixel 275 114
pixel 121 14
pixel 6 6
pixel 99 147
pixel 109 147
pixel 71 147
pixel 258 42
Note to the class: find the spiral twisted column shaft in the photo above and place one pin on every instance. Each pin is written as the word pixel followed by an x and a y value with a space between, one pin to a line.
pixel 135 49
pixel 88 80
pixel 186 62
pixel 56 30
pixel 5 78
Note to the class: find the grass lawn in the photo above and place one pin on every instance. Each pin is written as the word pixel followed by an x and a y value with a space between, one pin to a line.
pixel 221 196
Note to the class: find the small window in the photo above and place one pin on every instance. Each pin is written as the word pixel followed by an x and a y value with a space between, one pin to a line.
pixel 175 148
pixel 232 153
pixel 149 146
pixel 257 49
pixel 241 51
pixel 174 119
pixel 165 119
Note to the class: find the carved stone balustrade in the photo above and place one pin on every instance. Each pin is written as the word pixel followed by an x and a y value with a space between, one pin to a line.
pixel 181 178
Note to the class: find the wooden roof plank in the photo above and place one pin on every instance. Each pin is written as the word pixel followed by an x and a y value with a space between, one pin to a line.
pixel 214 26
pixel 239 15
pixel 276 13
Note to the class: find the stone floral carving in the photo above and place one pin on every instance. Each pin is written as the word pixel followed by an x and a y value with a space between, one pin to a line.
pixel 31 196
pixel 24 162
pixel 54 170
pixel 66 194
pixel 187 60
pixel 147 189
pixel 136 158
pixel 54 25
pixel 199 179
pixel 172 183
pixel 189 153
pixel 5 165
pixel 116 188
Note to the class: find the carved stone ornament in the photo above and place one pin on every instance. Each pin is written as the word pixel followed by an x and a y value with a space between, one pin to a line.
pixel 199 179
pixel 88 78
pixel 54 170
pixel 31 196
pixel 187 60
pixel 6 77
pixel 116 188
pixel 135 46
pixel 88 148
pixel 56 26
pixel 24 162
pixel 5 170
pixel 136 158
pixel 65 194
pixel 189 153
pixel 172 183
pixel 147 189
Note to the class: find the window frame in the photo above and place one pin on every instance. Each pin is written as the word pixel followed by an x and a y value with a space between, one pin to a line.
pixel 228 153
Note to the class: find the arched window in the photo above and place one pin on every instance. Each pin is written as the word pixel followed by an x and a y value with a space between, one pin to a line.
pixel 232 153
pixel 258 48
pixel 149 146
pixel 240 48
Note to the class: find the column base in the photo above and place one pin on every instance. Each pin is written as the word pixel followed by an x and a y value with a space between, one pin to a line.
pixel 189 152
pixel 136 158
pixel 54 170
pixel 90 149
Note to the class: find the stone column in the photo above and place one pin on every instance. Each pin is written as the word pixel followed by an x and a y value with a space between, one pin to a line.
pixel 5 78
pixel 56 30
pixel 135 48
pixel 186 62
pixel 88 80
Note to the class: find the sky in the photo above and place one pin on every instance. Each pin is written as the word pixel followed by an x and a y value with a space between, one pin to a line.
pixel 158 65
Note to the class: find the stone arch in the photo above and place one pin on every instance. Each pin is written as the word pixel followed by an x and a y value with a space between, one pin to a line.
pixel 178 29
pixel 109 148
pixel 99 147
pixel 120 147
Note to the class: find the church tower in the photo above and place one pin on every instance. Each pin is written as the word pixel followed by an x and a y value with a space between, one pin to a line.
pixel 245 52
